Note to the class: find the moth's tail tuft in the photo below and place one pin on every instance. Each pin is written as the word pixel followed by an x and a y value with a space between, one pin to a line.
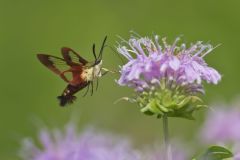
pixel 63 100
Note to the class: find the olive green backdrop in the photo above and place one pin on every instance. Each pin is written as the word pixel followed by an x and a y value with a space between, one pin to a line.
pixel 28 90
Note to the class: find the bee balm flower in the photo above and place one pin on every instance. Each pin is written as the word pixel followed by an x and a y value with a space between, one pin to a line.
pixel 70 145
pixel 222 125
pixel 166 78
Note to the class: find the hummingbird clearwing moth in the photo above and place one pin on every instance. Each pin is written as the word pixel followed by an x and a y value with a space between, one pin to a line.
pixel 82 72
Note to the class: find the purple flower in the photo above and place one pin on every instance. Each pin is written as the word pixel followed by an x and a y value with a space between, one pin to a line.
pixel 236 151
pixel 166 78
pixel 222 125
pixel 148 60
pixel 70 145
pixel 179 152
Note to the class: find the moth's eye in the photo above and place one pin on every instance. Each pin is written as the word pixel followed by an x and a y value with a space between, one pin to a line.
pixel 97 62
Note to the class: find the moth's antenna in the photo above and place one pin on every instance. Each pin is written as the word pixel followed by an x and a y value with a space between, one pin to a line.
pixel 101 50
pixel 94 53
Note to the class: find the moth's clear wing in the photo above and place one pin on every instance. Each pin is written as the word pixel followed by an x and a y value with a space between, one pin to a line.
pixel 57 65
pixel 72 58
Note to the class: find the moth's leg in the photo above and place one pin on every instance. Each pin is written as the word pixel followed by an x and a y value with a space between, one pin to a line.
pixel 97 84
pixel 86 91
pixel 91 88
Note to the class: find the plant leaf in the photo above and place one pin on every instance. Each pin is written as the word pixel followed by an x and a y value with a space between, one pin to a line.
pixel 215 153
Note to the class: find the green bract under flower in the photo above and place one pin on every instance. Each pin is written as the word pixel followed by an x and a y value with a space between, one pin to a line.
pixel 165 101
pixel 167 79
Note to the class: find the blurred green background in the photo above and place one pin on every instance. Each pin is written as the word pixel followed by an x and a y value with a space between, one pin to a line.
pixel 28 90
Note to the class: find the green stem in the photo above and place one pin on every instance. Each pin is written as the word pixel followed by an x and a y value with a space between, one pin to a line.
pixel 168 152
